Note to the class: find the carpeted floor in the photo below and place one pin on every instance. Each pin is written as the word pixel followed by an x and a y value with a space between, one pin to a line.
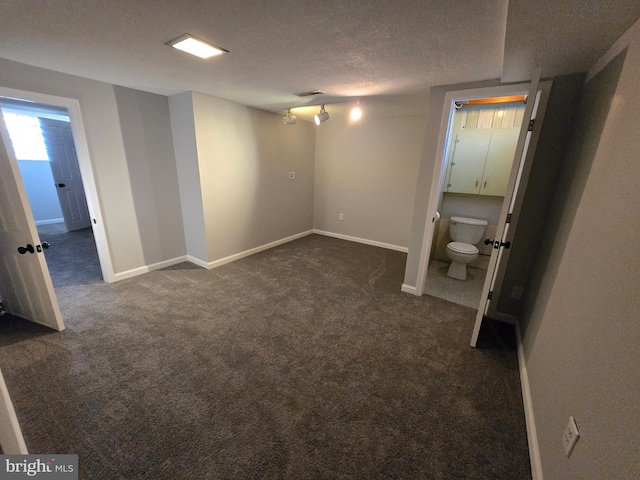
pixel 301 362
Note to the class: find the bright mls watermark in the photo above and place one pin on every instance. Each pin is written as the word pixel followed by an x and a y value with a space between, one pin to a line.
pixel 51 467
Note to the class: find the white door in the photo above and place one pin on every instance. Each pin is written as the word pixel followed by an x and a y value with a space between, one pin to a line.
pixel 66 173
pixel 500 242
pixel 25 284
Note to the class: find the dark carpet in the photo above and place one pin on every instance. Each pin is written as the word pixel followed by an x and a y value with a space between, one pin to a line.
pixel 301 362
pixel 72 257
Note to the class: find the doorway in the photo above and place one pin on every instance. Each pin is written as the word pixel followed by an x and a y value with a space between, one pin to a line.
pixel 103 269
pixel 44 148
pixel 483 135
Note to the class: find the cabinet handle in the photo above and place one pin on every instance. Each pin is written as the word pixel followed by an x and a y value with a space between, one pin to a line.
pixel 485 184
pixel 476 183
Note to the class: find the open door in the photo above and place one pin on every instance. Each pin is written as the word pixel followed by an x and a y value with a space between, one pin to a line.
pixel 66 173
pixel 25 284
pixel 502 242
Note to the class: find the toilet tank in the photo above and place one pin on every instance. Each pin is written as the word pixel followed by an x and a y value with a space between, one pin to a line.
pixel 467 230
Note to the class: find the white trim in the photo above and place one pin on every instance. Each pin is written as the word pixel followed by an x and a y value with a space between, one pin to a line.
pixel 375 243
pixel 10 434
pixel 50 221
pixel 197 261
pixel 409 289
pixel 251 251
pixel 148 268
pixel 532 435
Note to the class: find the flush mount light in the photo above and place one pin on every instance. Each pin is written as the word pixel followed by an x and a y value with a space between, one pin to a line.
pixel 190 44
pixel 289 119
pixel 321 117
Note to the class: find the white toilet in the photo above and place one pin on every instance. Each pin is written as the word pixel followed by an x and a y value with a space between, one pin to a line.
pixel 465 233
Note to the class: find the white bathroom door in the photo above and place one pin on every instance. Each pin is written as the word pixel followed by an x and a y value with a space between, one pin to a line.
pixel 25 283
pixel 495 273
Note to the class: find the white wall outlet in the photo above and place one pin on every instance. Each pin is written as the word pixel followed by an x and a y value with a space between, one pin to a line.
pixel 292 175
pixel 341 216
pixel 570 436
pixel 517 292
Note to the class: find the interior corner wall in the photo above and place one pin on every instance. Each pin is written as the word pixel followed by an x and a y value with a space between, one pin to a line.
pixel 104 136
pixel 580 329
pixel 244 158
pixel 146 132
pixel 183 131
pixel 366 171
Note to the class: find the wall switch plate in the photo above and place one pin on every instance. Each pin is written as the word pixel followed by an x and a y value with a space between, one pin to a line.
pixel 570 436
pixel 292 175
pixel 341 217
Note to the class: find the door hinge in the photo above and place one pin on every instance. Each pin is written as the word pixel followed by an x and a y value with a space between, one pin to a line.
pixel 531 123
pixel 490 295
pixel 508 218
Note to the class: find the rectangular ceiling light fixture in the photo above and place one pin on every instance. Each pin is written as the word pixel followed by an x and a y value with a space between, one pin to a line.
pixel 190 44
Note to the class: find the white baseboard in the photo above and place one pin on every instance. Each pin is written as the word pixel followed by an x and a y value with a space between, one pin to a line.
pixel 532 435
pixel 246 253
pixel 409 289
pixel 148 268
pixel 504 317
pixel 362 240
pixel 50 221
pixel 197 261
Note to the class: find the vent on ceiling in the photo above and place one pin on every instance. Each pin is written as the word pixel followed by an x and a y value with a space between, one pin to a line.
pixel 310 94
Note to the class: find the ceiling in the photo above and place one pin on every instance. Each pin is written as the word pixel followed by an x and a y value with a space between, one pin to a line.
pixel 347 49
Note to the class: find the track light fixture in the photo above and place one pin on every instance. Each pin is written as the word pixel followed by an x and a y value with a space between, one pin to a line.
pixel 321 117
pixel 289 119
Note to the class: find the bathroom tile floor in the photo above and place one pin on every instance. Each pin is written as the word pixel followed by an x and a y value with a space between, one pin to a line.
pixel 463 292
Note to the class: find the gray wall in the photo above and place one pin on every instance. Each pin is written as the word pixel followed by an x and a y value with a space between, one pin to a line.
pixel 580 324
pixel 146 133
pixel 234 163
pixel 367 171
pixel 186 152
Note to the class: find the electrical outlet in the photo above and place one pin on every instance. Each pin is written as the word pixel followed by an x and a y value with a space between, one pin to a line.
pixel 570 436
pixel 292 175
pixel 341 217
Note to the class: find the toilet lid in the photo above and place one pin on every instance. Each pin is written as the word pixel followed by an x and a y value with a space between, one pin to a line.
pixel 462 247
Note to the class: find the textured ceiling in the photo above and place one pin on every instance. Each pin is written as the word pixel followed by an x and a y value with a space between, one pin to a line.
pixel 280 48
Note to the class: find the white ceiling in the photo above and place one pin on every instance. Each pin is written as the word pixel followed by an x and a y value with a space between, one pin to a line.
pixel 348 49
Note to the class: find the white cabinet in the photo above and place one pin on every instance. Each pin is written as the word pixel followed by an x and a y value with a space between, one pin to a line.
pixel 481 161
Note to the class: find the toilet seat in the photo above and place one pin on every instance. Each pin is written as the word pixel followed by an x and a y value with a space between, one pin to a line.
pixel 461 247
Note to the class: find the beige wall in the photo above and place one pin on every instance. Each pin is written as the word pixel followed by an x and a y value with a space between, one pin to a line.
pixel 367 171
pixel 235 180
pixel 581 329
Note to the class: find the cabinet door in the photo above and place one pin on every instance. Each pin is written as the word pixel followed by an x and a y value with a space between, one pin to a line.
pixel 499 160
pixel 468 161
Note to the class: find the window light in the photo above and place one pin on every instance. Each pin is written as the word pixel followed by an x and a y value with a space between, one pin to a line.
pixel 190 44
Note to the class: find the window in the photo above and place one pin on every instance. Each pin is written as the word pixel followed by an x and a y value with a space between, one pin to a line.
pixel 26 137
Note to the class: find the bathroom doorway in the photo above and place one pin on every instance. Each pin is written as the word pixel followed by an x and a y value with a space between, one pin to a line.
pixel 538 93
pixel 483 135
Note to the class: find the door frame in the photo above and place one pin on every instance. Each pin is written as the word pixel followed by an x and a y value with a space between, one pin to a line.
pixel 440 170
pixel 86 168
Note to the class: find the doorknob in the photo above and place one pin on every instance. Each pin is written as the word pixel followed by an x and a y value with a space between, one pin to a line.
pixel 60 185
pixel 497 243
pixel 44 246
pixel 28 248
